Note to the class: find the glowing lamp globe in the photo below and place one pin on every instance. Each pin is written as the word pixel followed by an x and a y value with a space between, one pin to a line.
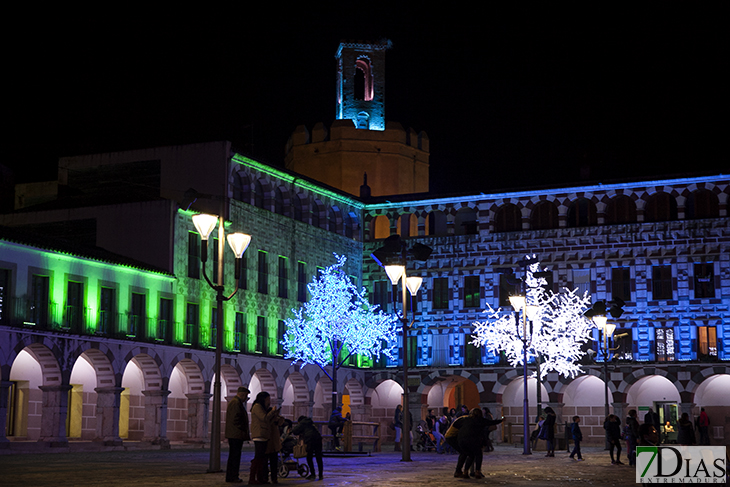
pixel 413 284
pixel 395 272
pixel 204 224
pixel 238 243
pixel 517 302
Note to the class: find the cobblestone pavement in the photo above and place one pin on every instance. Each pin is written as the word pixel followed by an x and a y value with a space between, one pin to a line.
pixel 506 466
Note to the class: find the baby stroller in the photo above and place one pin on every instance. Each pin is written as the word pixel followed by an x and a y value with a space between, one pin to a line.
pixel 287 462
pixel 426 440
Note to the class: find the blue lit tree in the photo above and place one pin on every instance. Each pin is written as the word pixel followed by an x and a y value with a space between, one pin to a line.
pixel 337 318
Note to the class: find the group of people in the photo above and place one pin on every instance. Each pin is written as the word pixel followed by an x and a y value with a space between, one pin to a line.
pixel 267 439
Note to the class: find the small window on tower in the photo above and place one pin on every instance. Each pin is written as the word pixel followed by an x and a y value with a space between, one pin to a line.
pixel 363 80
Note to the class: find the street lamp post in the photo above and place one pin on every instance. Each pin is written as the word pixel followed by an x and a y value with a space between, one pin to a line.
pixel 519 303
pixel 238 243
pixel 394 249
pixel 607 330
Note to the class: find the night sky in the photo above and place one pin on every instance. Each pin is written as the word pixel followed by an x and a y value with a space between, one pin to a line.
pixel 511 97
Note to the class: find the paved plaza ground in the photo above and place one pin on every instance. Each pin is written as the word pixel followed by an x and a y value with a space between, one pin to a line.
pixel 506 466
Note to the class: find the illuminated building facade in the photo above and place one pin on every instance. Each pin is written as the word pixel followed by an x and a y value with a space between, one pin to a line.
pixel 108 336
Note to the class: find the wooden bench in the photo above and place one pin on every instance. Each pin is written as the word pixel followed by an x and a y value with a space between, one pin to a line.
pixel 347 440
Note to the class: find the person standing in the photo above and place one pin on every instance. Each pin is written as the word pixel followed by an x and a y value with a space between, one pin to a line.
pixel 261 417
pixel 577 438
pixel 236 433
pixel 612 425
pixel 547 431
pixel 470 439
pixel 336 423
pixel 704 427
pixel 632 438
pixel 308 432
pixel 398 423
pixel 686 435
pixel 439 428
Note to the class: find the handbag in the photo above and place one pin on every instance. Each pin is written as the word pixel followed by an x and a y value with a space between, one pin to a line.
pixel 300 450
pixel 392 425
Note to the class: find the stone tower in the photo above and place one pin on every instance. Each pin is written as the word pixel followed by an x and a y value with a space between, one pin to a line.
pixel 359 141
pixel 361 84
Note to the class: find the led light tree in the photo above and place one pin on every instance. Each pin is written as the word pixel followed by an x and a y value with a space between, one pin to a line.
pixel 337 318
pixel 557 329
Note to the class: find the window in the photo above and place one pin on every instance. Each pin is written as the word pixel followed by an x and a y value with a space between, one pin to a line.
pixel 508 219
pixel 465 223
pixel 621 283
pixel 137 316
pixel 441 293
pixel 258 195
pixel 544 216
pixel 582 213
pixel 281 329
pixel 301 281
pixel 509 285
pixel 472 354
pixel 702 204
pixel 39 304
pixel 192 320
pixel 107 310
pixel 238 333
pixel 707 342
pixel 164 321
pixel 661 282
pixel 241 188
pixel 581 281
pixel 297 208
pixel 283 277
pixel 316 221
pixel 348 226
pixel 660 207
pixel 380 293
pixel 621 209
pixel 624 344
pixel 263 273
pixel 471 292
pixel 260 334
pixel 74 306
pixel 704 280
pixel 363 80
pixel 4 294
pixel 664 343
pixel 332 225
pixel 193 255
pixel 279 206
pixel 412 350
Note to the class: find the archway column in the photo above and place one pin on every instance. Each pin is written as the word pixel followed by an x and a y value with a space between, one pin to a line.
pixel 107 415
pixel 53 414
pixel 303 408
pixel 4 404
pixel 198 408
pixel 686 407
pixel 155 417
pixel 619 409
pixel 497 412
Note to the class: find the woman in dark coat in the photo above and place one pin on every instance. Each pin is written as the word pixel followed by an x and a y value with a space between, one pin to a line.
pixel 686 434
pixel 308 432
pixel 547 432
pixel 612 425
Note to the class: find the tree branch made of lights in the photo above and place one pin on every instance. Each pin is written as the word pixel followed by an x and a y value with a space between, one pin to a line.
pixel 337 316
pixel 559 329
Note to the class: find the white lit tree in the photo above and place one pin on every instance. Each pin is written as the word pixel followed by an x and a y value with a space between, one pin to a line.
pixel 556 334
pixel 336 323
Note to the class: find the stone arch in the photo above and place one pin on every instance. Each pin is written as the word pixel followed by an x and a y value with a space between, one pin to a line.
pixel 299 208
pixel 231 380
pixel 317 213
pixel 466 221
pixel 263 378
pixel 334 219
pixel 700 377
pixel 544 216
pixel 241 187
pixel 620 209
pixel 50 368
pixel 407 225
pixel 356 393
pixel 660 206
pixel 262 194
pixel 192 371
pixel 105 376
pixel 582 213
pixel 508 218
pixel 639 374
pixel 380 227
pixel 702 203
pixel 436 223
pixel 282 201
